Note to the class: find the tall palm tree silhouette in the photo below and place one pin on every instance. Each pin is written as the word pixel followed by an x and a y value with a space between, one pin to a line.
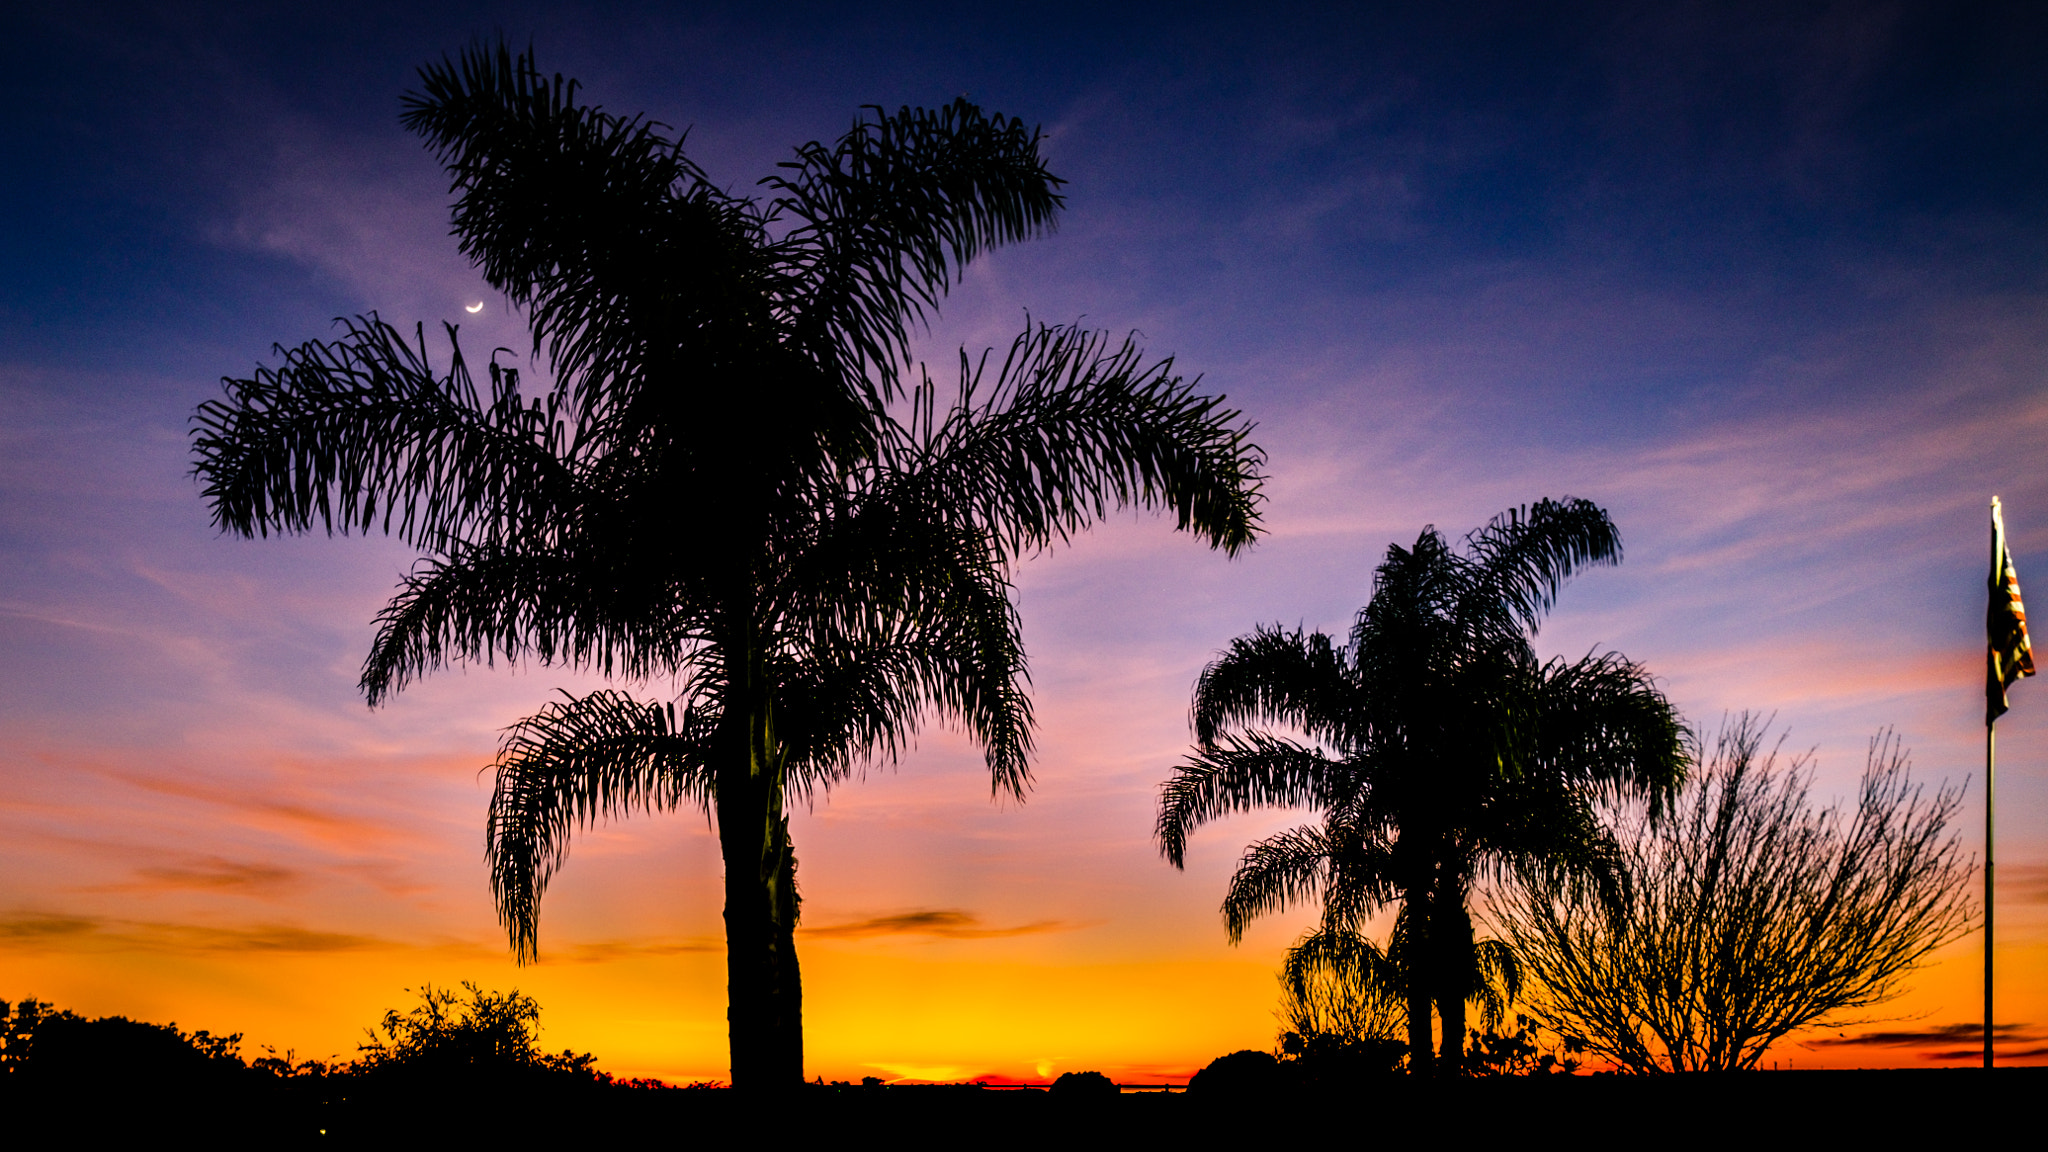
pixel 714 488
pixel 1438 747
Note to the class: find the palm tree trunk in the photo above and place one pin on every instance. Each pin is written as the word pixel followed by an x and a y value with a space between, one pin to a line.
pixel 1451 941
pixel 1421 1057
pixel 764 988
pixel 1450 1007
pixel 1414 975
pixel 790 984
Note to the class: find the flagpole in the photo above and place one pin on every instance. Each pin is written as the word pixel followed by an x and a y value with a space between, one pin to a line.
pixel 1990 762
pixel 1990 768
pixel 2008 655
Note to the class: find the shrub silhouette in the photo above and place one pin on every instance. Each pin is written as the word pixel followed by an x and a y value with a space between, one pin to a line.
pixel 1332 1058
pixel 69 1081
pixel 72 1049
pixel 18 1025
pixel 489 1034
pixel 1078 1086
pixel 1521 1052
pixel 1240 1074
pixel 49 1047
pixel 95 1081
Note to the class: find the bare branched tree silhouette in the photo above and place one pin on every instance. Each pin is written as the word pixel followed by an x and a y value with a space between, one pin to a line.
pixel 1752 915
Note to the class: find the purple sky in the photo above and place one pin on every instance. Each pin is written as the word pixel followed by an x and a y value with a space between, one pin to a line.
pixel 1769 287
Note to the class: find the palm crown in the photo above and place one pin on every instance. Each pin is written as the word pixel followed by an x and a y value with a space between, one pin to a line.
pixel 735 477
pixel 1437 745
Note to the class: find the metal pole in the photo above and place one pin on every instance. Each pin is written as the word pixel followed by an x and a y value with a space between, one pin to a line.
pixel 1993 674
pixel 1990 763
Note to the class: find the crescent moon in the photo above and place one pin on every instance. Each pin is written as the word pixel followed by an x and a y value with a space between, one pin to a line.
pixel 473 309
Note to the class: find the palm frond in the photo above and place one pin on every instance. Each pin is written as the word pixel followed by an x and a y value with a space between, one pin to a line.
pixel 887 217
pixel 1525 555
pixel 1367 870
pixel 1415 595
pixel 1562 839
pixel 1497 983
pixel 362 433
pixel 577 761
pixel 1344 956
pixel 490 602
pixel 1273 676
pixel 1337 983
pixel 1072 427
pixel 859 701
pixel 1290 867
pixel 1605 723
pixel 1241 773
pixel 586 218
pixel 890 610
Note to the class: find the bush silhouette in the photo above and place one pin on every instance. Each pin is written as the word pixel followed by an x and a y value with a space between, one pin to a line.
pixel 1327 1057
pixel 53 1048
pixel 18 1024
pixel 1240 1074
pixel 487 1035
pixel 1079 1086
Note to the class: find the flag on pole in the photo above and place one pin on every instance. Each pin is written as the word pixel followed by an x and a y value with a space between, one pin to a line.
pixel 2009 656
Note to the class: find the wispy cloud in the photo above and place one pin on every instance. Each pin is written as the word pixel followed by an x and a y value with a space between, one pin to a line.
pixel 209 874
pixel 237 799
pixel 1975 1053
pixel 1936 1042
pixel 947 923
pixel 929 1073
pixel 2023 883
pixel 605 951
pixel 276 806
pixel 32 931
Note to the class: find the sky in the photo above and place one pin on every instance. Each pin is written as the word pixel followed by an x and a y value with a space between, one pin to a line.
pixel 1768 282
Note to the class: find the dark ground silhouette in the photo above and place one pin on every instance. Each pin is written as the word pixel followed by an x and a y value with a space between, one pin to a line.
pixel 443 1075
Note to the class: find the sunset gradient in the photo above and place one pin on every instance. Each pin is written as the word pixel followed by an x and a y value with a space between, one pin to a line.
pixel 1773 290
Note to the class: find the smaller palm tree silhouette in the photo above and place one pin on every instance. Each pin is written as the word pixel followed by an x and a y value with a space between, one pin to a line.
pixel 1438 748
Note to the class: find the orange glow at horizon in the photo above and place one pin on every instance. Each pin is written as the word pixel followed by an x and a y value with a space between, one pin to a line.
pixel 885 1012
pixel 1123 971
pixel 895 1016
